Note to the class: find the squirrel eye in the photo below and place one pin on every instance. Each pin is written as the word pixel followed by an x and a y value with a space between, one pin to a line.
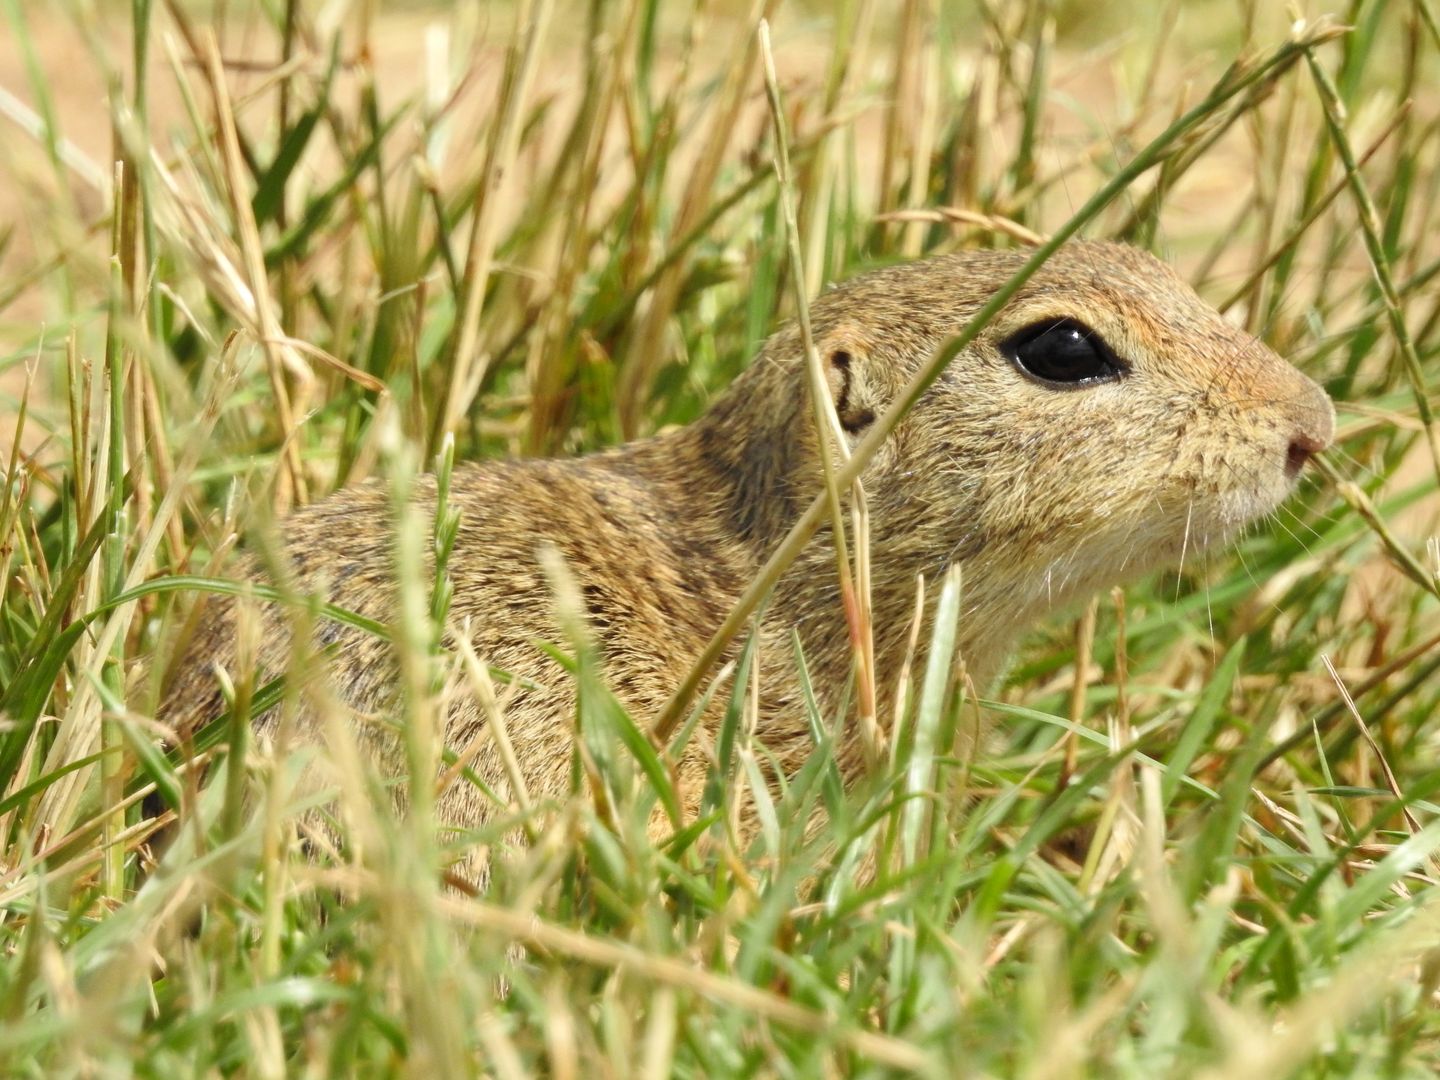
pixel 1062 351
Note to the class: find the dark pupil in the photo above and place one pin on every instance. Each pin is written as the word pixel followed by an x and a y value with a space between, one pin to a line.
pixel 1064 352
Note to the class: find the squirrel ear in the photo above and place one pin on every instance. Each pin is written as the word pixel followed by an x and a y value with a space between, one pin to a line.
pixel 848 390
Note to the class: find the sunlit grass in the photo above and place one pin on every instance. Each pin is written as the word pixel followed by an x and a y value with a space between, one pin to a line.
pixel 1179 850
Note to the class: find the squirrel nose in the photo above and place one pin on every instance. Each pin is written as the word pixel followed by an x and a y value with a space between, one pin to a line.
pixel 1314 428
pixel 1302 448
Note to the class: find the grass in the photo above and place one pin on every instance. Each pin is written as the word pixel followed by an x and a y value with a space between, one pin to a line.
pixel 1200 835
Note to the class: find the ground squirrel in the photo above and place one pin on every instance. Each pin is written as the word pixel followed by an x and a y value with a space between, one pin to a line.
pixel 1108 422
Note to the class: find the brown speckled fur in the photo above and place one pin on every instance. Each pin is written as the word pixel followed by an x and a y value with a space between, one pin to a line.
pixel 1045 495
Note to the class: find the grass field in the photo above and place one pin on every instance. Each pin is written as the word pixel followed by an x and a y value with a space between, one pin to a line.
pixel 322 242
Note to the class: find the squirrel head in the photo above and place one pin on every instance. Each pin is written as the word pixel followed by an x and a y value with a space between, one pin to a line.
pixel 1106 422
